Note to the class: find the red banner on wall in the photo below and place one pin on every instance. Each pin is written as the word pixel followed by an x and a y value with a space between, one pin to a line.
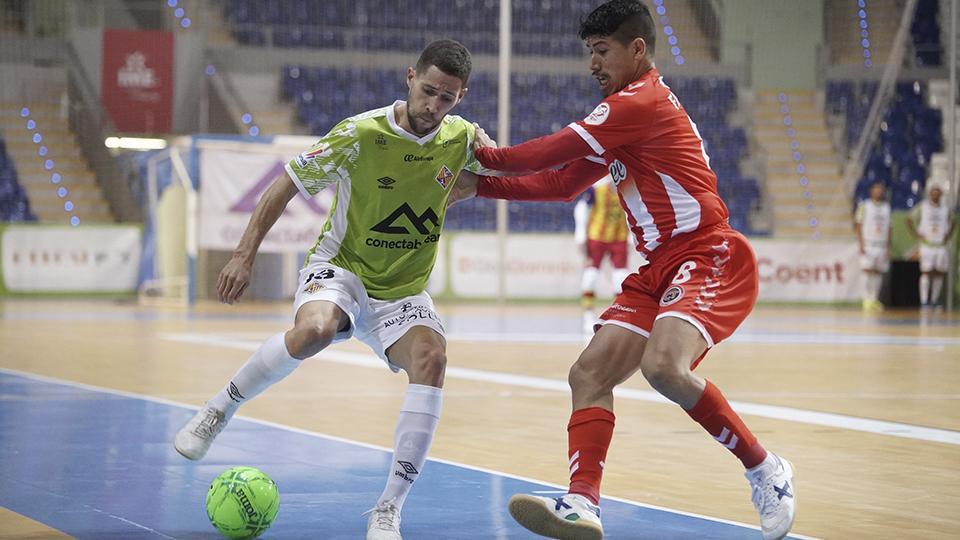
pixel 137 87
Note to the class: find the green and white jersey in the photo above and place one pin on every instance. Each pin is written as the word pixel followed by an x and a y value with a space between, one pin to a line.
pixel 874 220
pixel 932 222
pixel 391 198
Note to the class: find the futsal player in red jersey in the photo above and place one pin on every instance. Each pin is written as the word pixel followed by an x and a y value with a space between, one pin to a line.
pixel 698 284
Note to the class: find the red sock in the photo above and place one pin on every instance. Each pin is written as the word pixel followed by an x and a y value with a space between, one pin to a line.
pixel 589 433
pixel 718 418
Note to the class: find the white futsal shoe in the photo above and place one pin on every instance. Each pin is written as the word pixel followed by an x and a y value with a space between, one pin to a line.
pixel 384 522
pixel 195 438
pixel 570 517
pixel 774 495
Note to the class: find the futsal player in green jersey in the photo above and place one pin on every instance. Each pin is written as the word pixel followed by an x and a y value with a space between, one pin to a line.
pixel 393 169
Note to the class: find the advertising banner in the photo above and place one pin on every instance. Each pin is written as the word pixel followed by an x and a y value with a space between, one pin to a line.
pixel 550 266
pixel 137 80
pixel 231 183
pixel 88 259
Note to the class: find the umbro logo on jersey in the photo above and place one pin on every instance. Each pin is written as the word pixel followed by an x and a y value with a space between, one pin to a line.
pixel 387 226
pixel 386 182
pixel 451 142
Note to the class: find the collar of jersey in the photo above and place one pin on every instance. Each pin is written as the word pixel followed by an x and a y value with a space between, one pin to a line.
pixel 391 119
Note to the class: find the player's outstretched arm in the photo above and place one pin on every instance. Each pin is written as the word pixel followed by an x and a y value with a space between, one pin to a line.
pixel 235 276
pixel 555 185
pixel 534 155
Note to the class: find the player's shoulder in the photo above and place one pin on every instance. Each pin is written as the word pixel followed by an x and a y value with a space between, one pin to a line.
pixel 372 114
pixel 372 121
pixel 453 123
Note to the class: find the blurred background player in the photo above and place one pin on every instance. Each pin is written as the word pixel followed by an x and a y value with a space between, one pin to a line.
pixel 601 230
pixel 366 276
pixel 931 222
pixel 872 223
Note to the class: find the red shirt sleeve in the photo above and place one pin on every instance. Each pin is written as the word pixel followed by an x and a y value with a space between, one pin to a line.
pixel 620 119
pixel 554 185
pixel 537 154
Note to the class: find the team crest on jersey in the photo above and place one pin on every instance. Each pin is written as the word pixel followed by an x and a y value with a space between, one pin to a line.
pixel 671 296
pixel 599 115
pixel 444 175
pixel 313 287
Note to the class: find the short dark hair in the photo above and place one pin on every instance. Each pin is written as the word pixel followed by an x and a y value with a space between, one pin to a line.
pixel 450 57
pixel 624 21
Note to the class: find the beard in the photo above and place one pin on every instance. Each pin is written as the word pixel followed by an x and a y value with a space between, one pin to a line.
pixel 418 125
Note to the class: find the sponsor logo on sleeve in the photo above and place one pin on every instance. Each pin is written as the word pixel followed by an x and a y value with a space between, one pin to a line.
pixel 305 158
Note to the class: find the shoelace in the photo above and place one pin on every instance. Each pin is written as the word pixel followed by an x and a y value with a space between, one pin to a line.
pixel 386 516
pixel 763 497
pixel 208 427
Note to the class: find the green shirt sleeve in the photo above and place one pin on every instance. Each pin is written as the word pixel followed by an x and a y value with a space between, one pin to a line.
pixel 326 162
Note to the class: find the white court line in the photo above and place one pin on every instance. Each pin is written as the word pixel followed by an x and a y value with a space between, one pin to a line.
pixel 790 414
pixel 275 425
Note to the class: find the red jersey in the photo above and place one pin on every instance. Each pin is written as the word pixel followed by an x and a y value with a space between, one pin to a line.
pixel 657 160
pixel 650 147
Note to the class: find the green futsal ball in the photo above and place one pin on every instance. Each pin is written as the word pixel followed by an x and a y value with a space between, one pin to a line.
pixel 242 502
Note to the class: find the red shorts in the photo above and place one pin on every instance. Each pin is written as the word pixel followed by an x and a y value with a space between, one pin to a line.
pixel 708 278
pixel 617 250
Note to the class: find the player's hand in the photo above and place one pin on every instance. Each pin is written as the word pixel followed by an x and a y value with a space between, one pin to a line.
pixel 482 140
pixel 464 188
pixel 233 280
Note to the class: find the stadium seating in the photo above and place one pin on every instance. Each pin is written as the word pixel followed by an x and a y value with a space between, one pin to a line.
pixel 14 205
pixel 541 104
pixel 925 34
pixel 909 134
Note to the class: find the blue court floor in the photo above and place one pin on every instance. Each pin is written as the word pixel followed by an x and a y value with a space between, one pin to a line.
pixel 100 464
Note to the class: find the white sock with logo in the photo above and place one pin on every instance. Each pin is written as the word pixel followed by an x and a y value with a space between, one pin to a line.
pixel 265 367
pixel 924 289
pixel 418 420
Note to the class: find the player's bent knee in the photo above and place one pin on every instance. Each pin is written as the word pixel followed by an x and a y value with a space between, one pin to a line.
pixel 316 333
pixel 428 366
pixel 587 375
pixel 662 373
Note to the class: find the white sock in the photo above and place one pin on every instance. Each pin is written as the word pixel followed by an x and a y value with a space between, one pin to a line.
pixel 875 286
pixel 588 281
pixel 418 420
pixel 936 286
pixel 619 275
pixel 867 286
pixel 268 365
pixel 924 289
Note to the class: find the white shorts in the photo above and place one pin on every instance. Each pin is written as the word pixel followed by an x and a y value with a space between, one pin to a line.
pixel 934 259
pixel 377 323
pixel 874 259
